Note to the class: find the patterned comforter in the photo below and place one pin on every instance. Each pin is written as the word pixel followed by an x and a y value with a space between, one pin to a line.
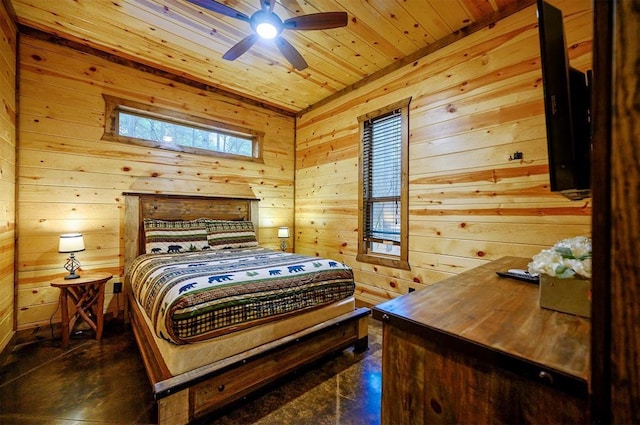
pixel 190 297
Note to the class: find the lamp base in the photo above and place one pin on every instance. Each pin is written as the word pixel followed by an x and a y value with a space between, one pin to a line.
pixel 72 265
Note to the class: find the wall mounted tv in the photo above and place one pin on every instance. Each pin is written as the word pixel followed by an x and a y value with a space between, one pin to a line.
pixel 567 100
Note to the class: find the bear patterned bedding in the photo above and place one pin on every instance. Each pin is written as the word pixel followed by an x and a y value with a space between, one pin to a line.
pixel 193 296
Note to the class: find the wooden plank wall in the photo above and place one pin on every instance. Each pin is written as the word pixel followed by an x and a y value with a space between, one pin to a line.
pixel 8 36
pixel 70 180
pixel 474 103
pixel 624 273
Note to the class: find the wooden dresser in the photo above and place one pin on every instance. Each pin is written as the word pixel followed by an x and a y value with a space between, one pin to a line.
pixel 477 348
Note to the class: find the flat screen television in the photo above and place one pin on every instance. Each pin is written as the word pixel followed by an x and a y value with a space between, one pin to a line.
pixel 567 100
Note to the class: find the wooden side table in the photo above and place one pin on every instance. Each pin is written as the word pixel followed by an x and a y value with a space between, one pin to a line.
pixel 87 296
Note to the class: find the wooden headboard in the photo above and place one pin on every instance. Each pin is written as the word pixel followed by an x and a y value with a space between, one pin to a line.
pixel 139 206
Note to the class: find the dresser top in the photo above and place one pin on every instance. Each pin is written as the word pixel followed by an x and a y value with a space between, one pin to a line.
pixel 496 314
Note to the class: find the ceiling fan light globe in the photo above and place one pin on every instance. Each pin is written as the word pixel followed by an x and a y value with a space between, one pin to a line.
pixel 267 30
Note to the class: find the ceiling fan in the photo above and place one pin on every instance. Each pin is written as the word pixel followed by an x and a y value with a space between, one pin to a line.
pixel 268 25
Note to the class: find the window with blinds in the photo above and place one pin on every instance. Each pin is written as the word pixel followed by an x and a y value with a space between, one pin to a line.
pixel 384 186
pixel 382 162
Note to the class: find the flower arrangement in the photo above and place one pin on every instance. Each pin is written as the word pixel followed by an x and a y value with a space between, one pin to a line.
pixel 568 258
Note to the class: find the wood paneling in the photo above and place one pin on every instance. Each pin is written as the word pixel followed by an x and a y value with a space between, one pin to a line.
pixel 624 273
pixel 68 179
pixel 176 36
pixel 8 45
pixel 474 103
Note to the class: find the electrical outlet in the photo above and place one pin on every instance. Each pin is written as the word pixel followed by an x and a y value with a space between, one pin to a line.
pixel 117 287
pixel 516 155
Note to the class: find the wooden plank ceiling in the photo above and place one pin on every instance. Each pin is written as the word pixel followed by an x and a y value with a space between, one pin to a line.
pixel 181 38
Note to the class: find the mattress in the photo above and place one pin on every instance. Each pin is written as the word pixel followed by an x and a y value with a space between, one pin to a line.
pixel 187 357
pixel 193 296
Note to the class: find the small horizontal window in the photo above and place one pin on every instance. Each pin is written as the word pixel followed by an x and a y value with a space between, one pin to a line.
pixel 150 126
pixel 157 130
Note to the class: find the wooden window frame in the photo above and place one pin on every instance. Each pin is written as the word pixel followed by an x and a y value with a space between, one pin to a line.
pixel 114 105
pixel 364 254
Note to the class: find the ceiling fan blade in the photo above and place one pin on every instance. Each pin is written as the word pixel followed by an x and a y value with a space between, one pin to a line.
pixel 267 5
pixel 317 21
pixel 223 9
pixel 291 54
pixel 240 47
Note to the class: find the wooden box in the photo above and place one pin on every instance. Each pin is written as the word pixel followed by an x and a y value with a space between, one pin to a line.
pixel 566 295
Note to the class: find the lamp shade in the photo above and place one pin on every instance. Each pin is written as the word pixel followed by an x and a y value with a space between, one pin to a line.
pixel 283 232
pixel 71 242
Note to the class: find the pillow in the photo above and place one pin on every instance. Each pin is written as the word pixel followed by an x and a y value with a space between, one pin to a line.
pixel 223 234
pixel 174 236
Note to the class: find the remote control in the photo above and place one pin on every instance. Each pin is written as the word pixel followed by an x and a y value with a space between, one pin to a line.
pixel 520 274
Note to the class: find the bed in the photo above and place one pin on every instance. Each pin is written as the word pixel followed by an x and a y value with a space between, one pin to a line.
pixel 197 370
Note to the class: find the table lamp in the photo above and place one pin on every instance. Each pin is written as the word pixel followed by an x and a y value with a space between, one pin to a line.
pixel 283 233
pixel 71 243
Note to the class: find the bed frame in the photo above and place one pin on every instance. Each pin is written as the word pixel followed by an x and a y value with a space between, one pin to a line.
pixel 191 395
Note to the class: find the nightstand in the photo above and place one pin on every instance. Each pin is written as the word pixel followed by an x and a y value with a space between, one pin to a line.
pixel 87 300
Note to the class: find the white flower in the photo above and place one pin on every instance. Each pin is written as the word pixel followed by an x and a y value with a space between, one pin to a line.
pixel 567 258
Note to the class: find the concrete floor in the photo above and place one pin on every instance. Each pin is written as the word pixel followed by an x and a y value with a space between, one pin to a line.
pixel 93 382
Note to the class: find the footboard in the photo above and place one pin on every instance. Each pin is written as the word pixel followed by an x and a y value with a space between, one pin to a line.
pixel 185 397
